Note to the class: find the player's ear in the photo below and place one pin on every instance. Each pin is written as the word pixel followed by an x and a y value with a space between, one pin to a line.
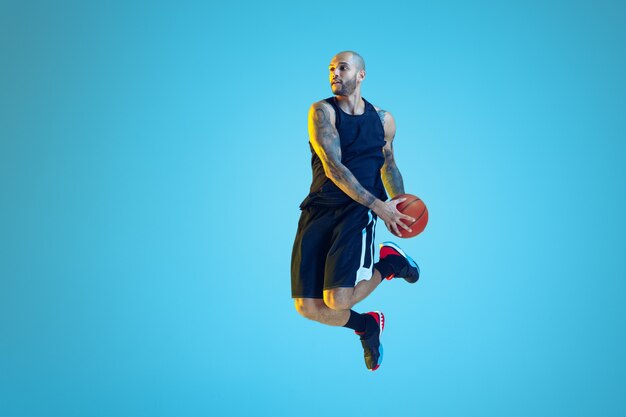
pixel 361 75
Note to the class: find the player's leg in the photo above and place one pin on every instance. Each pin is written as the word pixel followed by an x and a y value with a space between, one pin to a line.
pixel 311 245
pixel 308 262
pixel 315 309
pixel 350 259
pixel 368 326
pixel 344 298
pixel 393 263
pixel 351 274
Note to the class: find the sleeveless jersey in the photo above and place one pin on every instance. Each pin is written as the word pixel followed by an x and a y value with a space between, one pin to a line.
pixel 362 139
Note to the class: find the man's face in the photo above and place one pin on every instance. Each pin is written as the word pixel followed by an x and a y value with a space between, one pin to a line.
pixel 343 75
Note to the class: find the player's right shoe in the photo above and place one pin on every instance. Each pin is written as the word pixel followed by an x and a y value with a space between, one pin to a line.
pixel 370 339
pixel 402 264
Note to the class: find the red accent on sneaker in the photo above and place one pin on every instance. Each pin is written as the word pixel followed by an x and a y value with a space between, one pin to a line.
pixel 375 368
pixel 376 317
pixel 388 250
pixel 390 277
pixel 379 319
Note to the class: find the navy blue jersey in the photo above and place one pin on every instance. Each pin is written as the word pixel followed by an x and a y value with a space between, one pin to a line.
pixel 362 139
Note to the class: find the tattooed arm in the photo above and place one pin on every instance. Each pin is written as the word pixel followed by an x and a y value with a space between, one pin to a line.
pixel 390 172
pixel 325 141
pixel 326 144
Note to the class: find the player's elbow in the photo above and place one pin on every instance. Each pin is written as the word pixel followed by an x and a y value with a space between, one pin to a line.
pixel 329 172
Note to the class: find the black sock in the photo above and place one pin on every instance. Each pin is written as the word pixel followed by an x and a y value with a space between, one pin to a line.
pixel 384 267
pixel 356 322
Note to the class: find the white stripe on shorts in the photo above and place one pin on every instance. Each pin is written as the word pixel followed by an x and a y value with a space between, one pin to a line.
pixel 365 272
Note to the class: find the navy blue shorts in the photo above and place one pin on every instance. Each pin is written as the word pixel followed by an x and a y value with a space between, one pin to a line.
pixel 334 247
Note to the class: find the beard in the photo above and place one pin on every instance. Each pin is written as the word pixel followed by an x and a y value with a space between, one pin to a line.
pixel 345 88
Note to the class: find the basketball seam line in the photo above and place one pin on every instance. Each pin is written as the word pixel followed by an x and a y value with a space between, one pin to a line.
pixel 416 220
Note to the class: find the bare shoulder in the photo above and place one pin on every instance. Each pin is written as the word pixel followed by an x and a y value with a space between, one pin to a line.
pixel 321 112
pixel 389 123
pixel 385 116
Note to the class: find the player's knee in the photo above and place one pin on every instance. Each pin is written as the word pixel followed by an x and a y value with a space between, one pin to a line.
pixel 306 308
pixel 338 305
pixel 337 300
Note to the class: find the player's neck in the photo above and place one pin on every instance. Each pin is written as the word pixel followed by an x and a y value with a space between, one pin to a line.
pixel 352 104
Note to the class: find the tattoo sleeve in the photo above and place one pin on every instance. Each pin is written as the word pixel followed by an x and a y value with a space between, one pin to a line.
pixel 381 114
pixel 391 174
pixel 325 141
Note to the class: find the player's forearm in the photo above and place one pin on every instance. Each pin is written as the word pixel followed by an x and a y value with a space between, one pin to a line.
pixel 347 182
pixel 392 179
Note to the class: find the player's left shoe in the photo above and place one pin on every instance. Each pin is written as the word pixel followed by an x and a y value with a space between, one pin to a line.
pixel 402 264
pixel 370 339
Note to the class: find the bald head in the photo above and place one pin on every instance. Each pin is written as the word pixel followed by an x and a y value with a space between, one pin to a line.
pixel 347 71
pixel 354 57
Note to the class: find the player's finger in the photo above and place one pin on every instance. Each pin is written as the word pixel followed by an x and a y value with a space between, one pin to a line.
pixel 404 226
pixel 395 230
pixel 407 217
pixel 398 200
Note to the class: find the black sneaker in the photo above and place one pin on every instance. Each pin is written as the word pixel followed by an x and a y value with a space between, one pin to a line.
pixel 370 339
pixel 402 264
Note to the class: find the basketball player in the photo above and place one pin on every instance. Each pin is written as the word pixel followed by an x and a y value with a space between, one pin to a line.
pixel 332 266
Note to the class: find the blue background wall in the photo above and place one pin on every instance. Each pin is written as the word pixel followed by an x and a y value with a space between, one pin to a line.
pixel 153 156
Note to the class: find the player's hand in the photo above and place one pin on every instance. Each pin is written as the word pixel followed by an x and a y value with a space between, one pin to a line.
pixel 388 212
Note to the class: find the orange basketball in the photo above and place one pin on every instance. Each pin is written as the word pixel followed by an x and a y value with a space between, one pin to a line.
pixel 415 208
